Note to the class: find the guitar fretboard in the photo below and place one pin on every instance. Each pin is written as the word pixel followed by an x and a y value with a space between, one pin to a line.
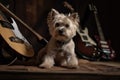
pixel 101 35
pixel 100 32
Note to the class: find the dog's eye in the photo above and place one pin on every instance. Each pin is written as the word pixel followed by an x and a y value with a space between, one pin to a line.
pixel 66 25
pixel 57 25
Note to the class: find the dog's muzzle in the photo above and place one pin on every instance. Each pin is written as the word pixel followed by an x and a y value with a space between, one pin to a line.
pixel 61 32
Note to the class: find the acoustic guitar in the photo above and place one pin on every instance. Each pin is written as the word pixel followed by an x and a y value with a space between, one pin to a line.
pixel 12 40
pixel 24 49
pixel 106 50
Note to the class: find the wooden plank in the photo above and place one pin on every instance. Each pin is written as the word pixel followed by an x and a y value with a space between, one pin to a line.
pixel 88 70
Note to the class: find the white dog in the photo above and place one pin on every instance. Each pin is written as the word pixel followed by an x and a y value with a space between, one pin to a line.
pixel 60 48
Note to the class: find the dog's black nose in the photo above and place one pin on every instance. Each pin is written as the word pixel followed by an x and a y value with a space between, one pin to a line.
pixel 61 31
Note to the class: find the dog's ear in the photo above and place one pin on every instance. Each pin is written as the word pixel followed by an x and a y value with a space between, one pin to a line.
pixel 75 17
pixel 51 15
pixel 54 12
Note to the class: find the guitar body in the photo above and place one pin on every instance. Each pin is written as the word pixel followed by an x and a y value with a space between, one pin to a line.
pixel 85 46
pixel 8 35
pixel 107 52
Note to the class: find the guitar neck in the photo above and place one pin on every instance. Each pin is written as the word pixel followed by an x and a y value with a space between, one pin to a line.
pixel 100 32
pixel 101 35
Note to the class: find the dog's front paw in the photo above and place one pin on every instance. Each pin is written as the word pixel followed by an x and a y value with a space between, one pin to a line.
pixel 73 63
pixel 73 66
pixel 47 66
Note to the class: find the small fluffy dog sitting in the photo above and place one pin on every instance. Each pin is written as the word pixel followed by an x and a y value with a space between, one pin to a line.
pixel 60 48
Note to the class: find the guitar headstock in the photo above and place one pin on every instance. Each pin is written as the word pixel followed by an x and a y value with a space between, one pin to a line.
pixel 92 7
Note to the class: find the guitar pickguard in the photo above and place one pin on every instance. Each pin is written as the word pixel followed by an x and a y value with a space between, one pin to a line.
pixel 85 37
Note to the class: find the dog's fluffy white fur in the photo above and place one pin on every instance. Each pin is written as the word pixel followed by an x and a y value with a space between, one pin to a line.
pixel 60 48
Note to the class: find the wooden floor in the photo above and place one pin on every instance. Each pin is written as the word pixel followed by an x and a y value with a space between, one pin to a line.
pixel 88 70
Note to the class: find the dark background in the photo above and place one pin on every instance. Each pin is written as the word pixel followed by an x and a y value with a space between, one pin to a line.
pixel 34 13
